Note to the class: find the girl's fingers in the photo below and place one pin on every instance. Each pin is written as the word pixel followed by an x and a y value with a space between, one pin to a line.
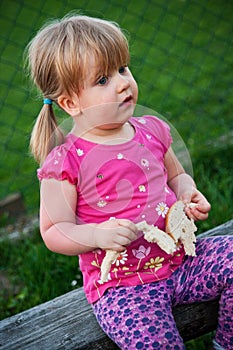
pixel 197 214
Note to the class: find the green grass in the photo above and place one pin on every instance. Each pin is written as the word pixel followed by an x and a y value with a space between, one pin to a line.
pixel 33 273
pixel 182 60
pixel 213 172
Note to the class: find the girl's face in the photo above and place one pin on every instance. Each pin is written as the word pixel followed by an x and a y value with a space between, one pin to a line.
pixel 107 102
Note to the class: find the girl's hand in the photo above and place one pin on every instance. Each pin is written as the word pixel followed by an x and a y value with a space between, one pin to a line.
pixel 197 206
pixel 115 234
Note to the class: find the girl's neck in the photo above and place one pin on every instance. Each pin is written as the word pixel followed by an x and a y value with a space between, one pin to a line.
pixel 112 136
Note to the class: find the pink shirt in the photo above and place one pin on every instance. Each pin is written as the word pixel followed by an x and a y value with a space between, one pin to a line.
pixel 126 180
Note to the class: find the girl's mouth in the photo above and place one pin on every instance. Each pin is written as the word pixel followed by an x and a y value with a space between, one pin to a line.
pixel 127 101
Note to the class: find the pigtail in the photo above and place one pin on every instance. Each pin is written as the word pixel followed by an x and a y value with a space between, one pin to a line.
pixel 45 134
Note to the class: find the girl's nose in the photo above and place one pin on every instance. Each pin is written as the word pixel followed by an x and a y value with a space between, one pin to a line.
pixel 122 83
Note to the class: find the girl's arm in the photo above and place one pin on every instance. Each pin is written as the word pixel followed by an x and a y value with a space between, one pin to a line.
pixel 185 188
pixel 58 225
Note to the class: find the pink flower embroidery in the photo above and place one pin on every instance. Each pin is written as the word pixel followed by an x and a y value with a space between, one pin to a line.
pixel 141 252
pixel 97 251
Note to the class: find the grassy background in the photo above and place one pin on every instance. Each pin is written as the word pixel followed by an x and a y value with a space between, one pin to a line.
pixel 182 59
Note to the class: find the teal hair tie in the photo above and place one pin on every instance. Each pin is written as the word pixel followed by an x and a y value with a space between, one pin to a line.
pixel 47 101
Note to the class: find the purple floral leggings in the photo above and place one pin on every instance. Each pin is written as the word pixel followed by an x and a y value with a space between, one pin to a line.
pixel 140 317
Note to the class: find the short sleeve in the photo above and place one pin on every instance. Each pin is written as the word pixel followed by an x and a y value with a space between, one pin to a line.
pixel 61 164
pixel 159 128
pixel 164 132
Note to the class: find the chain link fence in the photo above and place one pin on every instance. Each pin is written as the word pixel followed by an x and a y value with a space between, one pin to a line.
pixel 182 59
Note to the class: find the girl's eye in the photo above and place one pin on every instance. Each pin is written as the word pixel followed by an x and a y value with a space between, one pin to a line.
pixel 122 70
pixel 103 81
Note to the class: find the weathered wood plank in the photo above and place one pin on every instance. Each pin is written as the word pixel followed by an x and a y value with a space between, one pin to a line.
pixel 224 229
pixel 67 322
pixel 12 205
pixel 196 319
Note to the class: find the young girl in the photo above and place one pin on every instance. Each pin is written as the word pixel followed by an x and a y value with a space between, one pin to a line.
pixel 110 172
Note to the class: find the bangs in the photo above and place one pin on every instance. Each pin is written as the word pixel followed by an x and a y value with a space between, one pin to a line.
pixel 111 53
pixel 106 44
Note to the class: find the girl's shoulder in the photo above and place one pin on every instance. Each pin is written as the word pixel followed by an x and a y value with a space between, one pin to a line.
pixel 155 126
pixel 151 121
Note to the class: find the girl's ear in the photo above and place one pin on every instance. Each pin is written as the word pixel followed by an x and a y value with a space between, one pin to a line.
pixel 69 104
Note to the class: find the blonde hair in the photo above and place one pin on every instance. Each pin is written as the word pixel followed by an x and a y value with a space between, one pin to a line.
pixel 58 58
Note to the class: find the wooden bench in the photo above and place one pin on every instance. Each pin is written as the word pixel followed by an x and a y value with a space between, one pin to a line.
pixel 67 322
